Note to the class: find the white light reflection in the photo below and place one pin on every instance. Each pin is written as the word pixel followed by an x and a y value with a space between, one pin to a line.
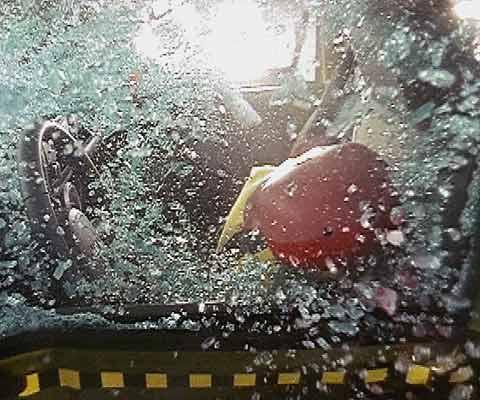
pixel 242 45
pixel 238 42
pixel 146 42
pixel 468 9
pixel 159 37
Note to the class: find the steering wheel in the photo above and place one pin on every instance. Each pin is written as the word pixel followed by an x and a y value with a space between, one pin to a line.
pixel 54 165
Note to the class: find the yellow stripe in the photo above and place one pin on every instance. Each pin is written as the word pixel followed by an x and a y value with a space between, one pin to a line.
pixel 376 375
pixel 289 378
pixel 244 380
pixel 418 375
pixel 156 381
pixel 112 380
pixel 69 378
pixel 32 385
pixel 333 378
pixel 235 218
pixel 200 381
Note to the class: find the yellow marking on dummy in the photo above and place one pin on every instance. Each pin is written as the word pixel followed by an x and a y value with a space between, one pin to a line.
pixel 289 378
pixel 32 385
pixel 235 218
pixel 156 381
pixel 263 256
pixel 200 381
pixel 376 375
pixel 112 380
pixel 418 375
pixel 244 380
pixel 69 378
pixel 333 378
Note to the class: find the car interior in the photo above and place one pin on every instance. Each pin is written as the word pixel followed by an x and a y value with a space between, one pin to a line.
pixel 304 229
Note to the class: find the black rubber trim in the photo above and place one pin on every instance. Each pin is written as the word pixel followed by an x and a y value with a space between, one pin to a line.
pixel 11 385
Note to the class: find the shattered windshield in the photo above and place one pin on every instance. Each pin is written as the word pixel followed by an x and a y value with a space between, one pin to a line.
pixel 316 157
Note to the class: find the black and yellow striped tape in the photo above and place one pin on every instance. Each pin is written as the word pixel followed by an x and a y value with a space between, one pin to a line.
pixel 74 379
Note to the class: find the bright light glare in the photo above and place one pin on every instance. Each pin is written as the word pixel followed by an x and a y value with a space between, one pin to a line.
pixel 239 42
pixel 146 42
pixel 151 42
pixel 468 9
pixel 242 45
